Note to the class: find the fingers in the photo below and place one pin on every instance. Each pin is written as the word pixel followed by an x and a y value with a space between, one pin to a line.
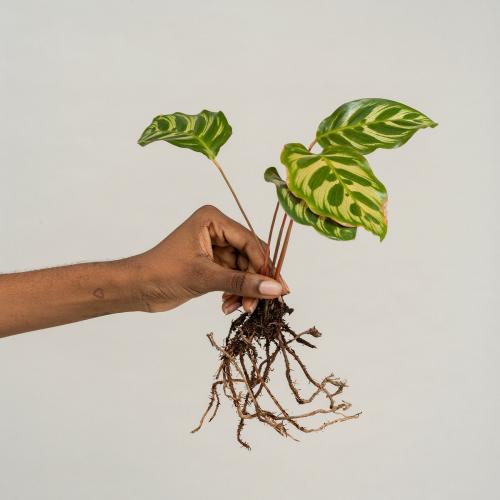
pixel 244 284
pixel 224 231
pixel 234 246
pixel 226 256
pixel 231 308
pixel 230 304
pixel 242 239
pixel 249 304
pixel 242 263
pixel 235 302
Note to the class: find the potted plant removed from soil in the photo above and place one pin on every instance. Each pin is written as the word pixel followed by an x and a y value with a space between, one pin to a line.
pixel 330 187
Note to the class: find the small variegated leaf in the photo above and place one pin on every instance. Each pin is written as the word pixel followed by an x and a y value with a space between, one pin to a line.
pixel 297 209
pixel 206 132
pixel 369 124
pixel 337 183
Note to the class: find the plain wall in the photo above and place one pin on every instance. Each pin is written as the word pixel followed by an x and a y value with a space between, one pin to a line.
pixel 102 409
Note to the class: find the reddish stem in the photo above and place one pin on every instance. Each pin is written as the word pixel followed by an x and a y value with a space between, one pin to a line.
pixel 283 250
pixel 237 200
pixel 278 241
pixel 289 230
pixel 266 262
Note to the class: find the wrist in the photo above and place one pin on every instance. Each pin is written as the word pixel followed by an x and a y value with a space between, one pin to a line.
pixel 139 284
pixel 123 289
pixel 154 288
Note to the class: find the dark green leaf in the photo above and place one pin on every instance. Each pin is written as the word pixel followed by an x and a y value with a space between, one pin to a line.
pixel 206 132
pixel 369 124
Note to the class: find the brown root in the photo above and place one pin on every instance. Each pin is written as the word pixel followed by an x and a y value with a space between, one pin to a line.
pixel 250 351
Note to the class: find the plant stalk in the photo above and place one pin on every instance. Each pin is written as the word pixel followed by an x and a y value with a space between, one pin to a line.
pixel 289 230
pixel 242 210
pixel 283 250
pixel 278 241
pixel 236 199
pixel 266 262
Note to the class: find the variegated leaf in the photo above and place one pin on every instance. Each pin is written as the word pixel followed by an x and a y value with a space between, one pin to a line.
pixel 206 132
pixel 337 183
pixel 368 124
pixel 298 210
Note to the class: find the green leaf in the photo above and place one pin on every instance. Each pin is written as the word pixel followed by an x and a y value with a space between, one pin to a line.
pixel 369 124
pixel 297 209
pixel 206 132
pixel 337 183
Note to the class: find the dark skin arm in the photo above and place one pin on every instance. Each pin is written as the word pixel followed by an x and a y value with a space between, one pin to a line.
pixel 208 252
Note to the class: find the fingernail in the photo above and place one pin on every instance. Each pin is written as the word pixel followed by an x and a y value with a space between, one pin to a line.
pixel 253 306
pixel 270 287
pixel 231 308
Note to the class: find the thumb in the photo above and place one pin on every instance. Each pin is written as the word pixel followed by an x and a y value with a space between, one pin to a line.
pixel 245 284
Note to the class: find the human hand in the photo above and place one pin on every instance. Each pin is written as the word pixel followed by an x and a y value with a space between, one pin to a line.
pixel 207 252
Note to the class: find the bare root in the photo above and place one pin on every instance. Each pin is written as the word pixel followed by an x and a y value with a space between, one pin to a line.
pixel 251 349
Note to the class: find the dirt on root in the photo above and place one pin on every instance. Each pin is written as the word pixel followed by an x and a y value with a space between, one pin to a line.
pixel 255 344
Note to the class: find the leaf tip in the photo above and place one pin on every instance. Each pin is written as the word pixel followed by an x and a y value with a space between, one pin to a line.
pixel 269 173
pixel 148 136
pixel 383 233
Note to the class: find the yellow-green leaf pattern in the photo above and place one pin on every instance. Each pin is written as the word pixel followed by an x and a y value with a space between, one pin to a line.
pixel 298 210
pixel 337 183
pixel 206 132
pixel 369 124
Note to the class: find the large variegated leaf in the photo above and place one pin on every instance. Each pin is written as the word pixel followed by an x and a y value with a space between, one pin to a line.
pixel 298 210
pixel 206 132
pixel 368 124
pixel 337 183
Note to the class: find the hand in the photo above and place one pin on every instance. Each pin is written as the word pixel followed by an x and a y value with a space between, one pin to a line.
pixel 208 252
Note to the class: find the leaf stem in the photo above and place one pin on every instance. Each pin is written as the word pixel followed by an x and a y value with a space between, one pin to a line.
pixel 235 196
pixel 289 230
pixel 283 250
pixel 278 241
pixel 236 199
pixel 266 262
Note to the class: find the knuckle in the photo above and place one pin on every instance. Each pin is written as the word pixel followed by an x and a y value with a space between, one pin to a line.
pixel 207 209
pixel 205 213
pixel 237 282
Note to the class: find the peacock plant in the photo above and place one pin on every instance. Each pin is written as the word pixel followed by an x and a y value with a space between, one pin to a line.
pixel 334 191
pixel 338 182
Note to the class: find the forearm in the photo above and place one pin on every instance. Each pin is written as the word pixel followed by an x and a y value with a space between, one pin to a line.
pixel 50 297
pixel 208 252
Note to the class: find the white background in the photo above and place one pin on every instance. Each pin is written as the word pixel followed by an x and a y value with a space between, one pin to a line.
pixel 103 409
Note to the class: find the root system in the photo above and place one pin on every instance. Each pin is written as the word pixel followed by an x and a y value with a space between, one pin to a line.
pixel 249 355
